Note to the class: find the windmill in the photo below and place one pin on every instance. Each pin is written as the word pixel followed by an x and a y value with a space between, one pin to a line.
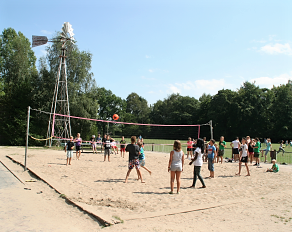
pixel 58 126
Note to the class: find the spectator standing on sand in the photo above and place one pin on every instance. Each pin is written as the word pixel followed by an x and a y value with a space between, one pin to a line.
pixel 275 167
pixel 98 141
pixel 93 144
pixel 198 162
pixel 69 149
pixel 205 153
pixel 243 156
pixel 175 165
pixel 211 157
pixel 103 142
pixel 235 144
pixel 269 147
pixel 123 146
pixel 250 150
pixel 107 148
pixel 133 150
pixel 256 149
pixel 281 148
pixel 222 146
pixel 189 148
pixel 78 142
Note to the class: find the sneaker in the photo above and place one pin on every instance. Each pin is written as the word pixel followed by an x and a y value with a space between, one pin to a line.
pixel 170 192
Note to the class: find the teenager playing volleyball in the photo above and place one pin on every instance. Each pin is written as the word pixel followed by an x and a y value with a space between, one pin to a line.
pixel 175 165
pixel 133 150
pixel 198 162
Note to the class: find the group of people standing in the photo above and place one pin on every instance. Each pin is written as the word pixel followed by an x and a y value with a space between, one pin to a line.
pixel 176 161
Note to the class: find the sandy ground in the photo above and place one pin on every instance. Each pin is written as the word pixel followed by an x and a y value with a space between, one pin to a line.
pixel 261 202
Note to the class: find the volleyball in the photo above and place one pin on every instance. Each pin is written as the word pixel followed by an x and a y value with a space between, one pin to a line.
pixel 115 117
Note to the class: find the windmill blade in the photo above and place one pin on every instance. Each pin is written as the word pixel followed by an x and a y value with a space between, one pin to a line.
pixel 67 31
pixel 39 40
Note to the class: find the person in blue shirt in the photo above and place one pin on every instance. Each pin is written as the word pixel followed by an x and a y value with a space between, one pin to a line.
pixel 269 148
pixel 212 154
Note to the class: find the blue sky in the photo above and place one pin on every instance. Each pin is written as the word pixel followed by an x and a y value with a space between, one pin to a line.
pixel 156 48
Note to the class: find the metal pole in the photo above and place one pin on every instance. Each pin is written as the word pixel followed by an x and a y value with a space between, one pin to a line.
pixel 211 128
pixel 27 132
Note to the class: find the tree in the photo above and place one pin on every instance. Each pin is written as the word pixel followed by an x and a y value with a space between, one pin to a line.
pixel 17 70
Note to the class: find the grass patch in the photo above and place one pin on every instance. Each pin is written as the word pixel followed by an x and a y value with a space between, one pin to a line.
pixel 118 218
pixel 63 196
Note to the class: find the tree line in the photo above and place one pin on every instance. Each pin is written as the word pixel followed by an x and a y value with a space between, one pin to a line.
pixel 250 110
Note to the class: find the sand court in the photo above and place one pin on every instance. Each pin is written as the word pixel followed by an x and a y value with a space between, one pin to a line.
pixel 100 187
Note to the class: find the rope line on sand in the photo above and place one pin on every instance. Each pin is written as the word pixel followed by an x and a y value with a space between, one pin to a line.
pixel 188 211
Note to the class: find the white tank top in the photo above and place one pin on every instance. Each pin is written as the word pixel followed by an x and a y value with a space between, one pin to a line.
pixel 177 158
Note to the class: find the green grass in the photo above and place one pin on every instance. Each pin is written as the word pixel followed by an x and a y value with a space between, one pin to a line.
pixel 165 145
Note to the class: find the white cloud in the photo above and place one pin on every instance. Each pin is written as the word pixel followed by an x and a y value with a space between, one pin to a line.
pixel 173 89
pixel 198 87
pixel 46 32
pixel 147 57
pixel 151 70
pixel 269 82
pixel 277 49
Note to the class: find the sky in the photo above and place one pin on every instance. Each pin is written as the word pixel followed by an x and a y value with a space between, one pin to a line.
pixel 157 47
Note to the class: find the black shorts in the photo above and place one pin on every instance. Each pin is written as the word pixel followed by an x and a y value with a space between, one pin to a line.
pixel 235 151
pixel 78 148
pixel 244 159
pixel 189 149
pixel 256 155
pixel 221 153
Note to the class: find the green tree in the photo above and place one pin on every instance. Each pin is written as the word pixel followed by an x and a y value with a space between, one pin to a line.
pixel 281 116
pixel 17 70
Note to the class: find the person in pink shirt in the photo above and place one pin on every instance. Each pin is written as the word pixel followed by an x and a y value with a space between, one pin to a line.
pixel 190 148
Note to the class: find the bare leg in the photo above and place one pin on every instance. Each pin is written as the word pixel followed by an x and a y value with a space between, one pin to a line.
pixel 172 176
pixel 67 161
pixel 239 171
pixel 247 169
pixel 178 174
pixel 140 174
pixel 147 169
pixel 70 160
pixel 127 176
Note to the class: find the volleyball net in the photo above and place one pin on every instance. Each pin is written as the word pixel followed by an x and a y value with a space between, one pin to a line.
pixel 156 137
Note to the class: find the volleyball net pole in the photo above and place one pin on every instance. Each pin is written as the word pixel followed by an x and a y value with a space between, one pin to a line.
pixel 27 133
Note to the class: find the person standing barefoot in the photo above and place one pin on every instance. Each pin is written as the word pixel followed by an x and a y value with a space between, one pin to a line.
pixel 243 156
pixel 78 142
pixel 211 157
pixel 222 146
pixel 198 162
pixel 175 165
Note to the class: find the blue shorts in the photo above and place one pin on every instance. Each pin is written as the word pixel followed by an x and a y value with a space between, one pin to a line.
pixel 142 162
pixel 210 165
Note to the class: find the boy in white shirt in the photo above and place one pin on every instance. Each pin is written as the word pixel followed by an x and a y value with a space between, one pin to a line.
pixel 243 156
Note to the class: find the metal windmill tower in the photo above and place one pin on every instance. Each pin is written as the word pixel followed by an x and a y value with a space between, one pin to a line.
pixel 59 126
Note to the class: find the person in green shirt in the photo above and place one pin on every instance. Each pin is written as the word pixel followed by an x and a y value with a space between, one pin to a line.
pixel 222 146
pixel 256 149
pixel 275 167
